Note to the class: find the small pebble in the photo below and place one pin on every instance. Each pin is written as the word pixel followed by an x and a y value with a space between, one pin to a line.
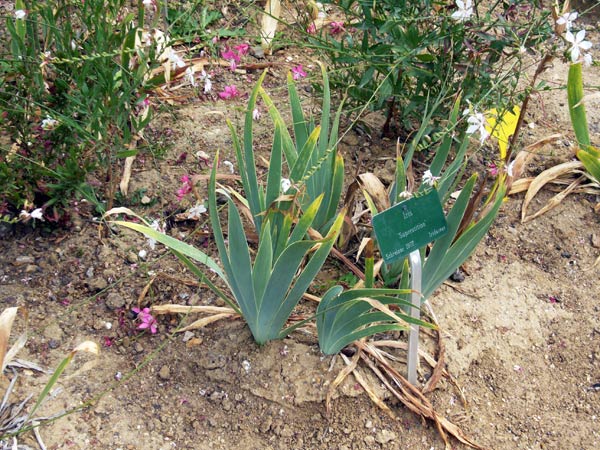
pixel 384 436
pixel 187 336
pixel 97 284
pixel 164 373
pixel 115 301
pixel 458 276
pixel 22 260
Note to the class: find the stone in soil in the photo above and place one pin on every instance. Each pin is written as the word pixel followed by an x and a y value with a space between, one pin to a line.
pixel 22 260
pixel 115 301
pixel 164 373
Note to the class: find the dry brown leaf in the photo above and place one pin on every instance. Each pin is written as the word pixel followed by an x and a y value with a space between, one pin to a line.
pixel 546 177
pixel 142 295
pixel 6 322
pixel 375 188
pixel 428 358
pixel 555 201
pixel 438 369
pixel 310 297
pixel 124 185
pixel 269 22
pixel 362 246
pixel 368 388
pixel 184 309
pixel 201 323
pixel 520 185
pixel 386 310
pixel 7 319
pixel 413 399
pixel 525 155
pixel 340 378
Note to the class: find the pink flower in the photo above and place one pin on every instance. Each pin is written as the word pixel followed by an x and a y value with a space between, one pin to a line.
pixel 297 72
pixel 185 189
pixel 493 169
pixel 242 49
pixel 147 320
pixel 232 56
pixel 312 29
pixel 229 92
pixel 337 27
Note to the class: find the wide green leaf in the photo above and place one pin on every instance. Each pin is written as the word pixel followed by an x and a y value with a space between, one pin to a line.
pixel 300 127
pixel 462 248
pixel 241 266
pixel 576 107
pixel 261 272
pixel 590 158
pixel 174 244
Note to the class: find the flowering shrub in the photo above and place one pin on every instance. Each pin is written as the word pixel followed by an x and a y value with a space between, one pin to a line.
pixel 72 99
pixel 401 56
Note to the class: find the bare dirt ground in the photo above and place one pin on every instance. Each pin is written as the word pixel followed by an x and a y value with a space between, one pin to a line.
pixel 522 331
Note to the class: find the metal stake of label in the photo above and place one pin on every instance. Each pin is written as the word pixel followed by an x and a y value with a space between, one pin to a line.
pixel 415 312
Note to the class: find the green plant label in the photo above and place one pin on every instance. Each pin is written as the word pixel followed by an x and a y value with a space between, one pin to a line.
pixel 409 225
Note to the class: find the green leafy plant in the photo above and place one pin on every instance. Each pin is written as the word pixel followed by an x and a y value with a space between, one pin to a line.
pixel 343 317
pixel 315 166
pixel 465 228
pixel 72 84
pixel 196 22
pixel 587 154
pixel 396 55
pixel 267 290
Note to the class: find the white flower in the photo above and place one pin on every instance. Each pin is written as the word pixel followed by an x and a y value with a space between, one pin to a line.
pixel 207 83
pixel 142 254
pixel 587 59
pixel 49 123
pixel 405 195
pixel 189 73
pixel 579 44
pixel 195 211
pixel 428 178
pixel 229 165
pixel 567 19
pixel 37 214
pixel 477 123
pixel 286 184
pixel 148 3
pixel 464 11
pixel 176 61
pixel 256 114
pixel 20 14
pixel 509 169
pixel 156 226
